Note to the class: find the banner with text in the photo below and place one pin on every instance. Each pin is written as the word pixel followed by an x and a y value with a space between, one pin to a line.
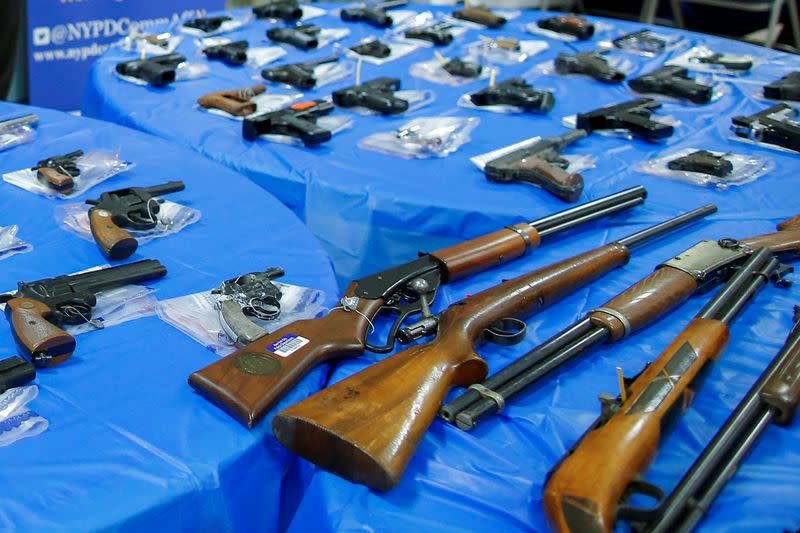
pixel 65 37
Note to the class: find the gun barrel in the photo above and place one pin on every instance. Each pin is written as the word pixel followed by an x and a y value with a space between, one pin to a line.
pixel 31 119
pixel 589 211
pixel 316 62
pixel 108 278
pixel 166 188
pixel 666 226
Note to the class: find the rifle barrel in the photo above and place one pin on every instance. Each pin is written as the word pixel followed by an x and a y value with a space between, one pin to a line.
pixel 577 215
pixel 666 226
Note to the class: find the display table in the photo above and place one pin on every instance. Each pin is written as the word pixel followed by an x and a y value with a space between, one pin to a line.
pixel 130 445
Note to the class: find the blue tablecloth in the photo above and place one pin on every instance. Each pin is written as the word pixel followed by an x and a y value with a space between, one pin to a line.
pixel 372 211
pixel 130 445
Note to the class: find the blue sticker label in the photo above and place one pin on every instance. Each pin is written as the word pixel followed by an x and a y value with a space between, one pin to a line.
pixel 287 345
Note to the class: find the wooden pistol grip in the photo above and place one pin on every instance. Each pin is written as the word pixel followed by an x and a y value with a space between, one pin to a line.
pixel 115 243
pixel 38 339
pixel 487 251
pixel 250 381
pixel 782 390
pixel 583 491
pixel 553 179
pixel 367 427
pixel 58 181
pixel 646 301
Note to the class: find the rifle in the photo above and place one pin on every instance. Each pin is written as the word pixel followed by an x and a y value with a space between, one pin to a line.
pixel 644 40
pixel 480 15
pixel 286 10
pixel 297 120
pixel 374 15
pixel 515 92
pixel 249 382
pixel 776 125
pixel 586 490
pixel 434 33
pixel 237 102
pixel 373 48
pixel 13 123
pixel 132 208
pixel 249 295
pixel 541 165
pixel 786 88
pixel 303 37
pixel 58 172
pixel 207 24
pixel 38 310
pixel 673 81
pixel 377 95
pixel 300 75
pixel 233 54
pixel 704 162
pixel 578 27
pixel 158 71
pixel 592 64
pixel 730 62
pixel 634 116
pixel 693 271
pixel 366 428
pixel 462 68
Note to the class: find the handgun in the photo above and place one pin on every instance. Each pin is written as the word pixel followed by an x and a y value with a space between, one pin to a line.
pixel 634 116
pixel 286 10
pixel 300 75
pixel 675 82
pixel 515 92
pixel 578 27
pixel 377 95
pixel 233 54
pixel 480 15
pixel 58 172
pixel 303 37
pixel 704 162
pixel 207 24
pixel 591 64
pixel 158 71
pixel 298 120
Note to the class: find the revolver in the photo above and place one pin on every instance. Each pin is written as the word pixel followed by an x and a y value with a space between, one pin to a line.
pixel 377 95
pixel 592 64
pixel 300 75
pixel 480 15
pixel 249 295
pixel 298 120
pixel 207 24
pixel 58 172
pixel 233 54
pixel 634 116
pixel 578 27
pixel 158 71
pixel 237 102
pixel 515 92
pixel 435 33
pixel 286 10
pixel 303 37
pixel 675 82
pixel 704 162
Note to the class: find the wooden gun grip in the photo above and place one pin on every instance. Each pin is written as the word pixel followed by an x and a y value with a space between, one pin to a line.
pixel 38 339
pixel 58 181
pixel 552 178
pixel 114 242
pixel 367 427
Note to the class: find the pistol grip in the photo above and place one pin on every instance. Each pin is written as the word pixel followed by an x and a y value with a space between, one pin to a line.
pixel 38 339
pixel 114 242
pixel 239 328
pixel 62 183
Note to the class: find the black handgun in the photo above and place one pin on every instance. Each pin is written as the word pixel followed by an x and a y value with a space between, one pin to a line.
pixel 373 48
pixel 578 27
pixel 158 71
pixel 233 54
pixel 591 64
pixel 634 116
pixel 207 24
pixel 249 296
pixel 515 92
pixel 58 172
pixel 300 75
pixel 303 37
pixel 642 40
pixel 776 125
pixel 675 82
pixel 377 95
pixel 786 88
pixel 434 33
pixel 297 120
pixel 286 10
pixel 134 208
pixel 38 310
pixel 703 162
pixel 730 62
pixel 540 164
pixel 480 15
pixel 374 15
pixel 461 68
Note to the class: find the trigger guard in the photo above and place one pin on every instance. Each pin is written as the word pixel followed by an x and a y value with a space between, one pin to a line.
pixel 506 332
pixel 632 514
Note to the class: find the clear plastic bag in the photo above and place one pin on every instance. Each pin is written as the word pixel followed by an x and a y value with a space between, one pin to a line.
pixel 16 420
pixel 185 71
pixel 422 20
pixel 718 90
pixel 16 135
pixel 165 43
pixel 10 244
pixel 198 315
pixel 227 26
pixel 171 217
pixel 333 123
pixel 415 99
pixel 599 27
pixel 571 121
pixel 577 163
pixel 423 137
pixel 266 102
pixel 397 49
pixel 466 101
pixel 310 12
pixel 733 169
pixel 505 50
pixel 646 43
pixel 94 167
pixel 616 62
pixel 433 70
pixel 703 59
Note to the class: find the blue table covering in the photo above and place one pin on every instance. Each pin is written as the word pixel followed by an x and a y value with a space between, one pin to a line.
pixel 130 445
pixel 372 211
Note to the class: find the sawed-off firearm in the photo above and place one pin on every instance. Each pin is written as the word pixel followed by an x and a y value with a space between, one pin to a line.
pixel 588 489
pixel 249 382
pixel 366 428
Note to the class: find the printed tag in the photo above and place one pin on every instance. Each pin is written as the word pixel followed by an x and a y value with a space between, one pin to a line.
pixel 287 345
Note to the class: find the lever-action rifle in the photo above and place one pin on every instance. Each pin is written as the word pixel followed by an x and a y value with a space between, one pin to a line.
pixel 286 10
pixel 374 15
pixel 434 33
pixel 380 414
pixel 675 82
pixel 786 88
pixel 158 71
pixel 249 382
pixel 300 75
pixel 588 490
pixel 249 295
pixel 38 310
pixel 237 102
pixel 373 48
pixel 480 15
pixel 693 271
pixel 777 125
pixel 634 116
pixel 578 27
pixel 515 92
pixel 303 37
pixel 591 64
pixel 133 208
pixel 704 162
pixel 540 164
pixel 58 172
pixel 377 95
pixel 207 24
pixel 730 62
pixel 233 54
pixel 297 120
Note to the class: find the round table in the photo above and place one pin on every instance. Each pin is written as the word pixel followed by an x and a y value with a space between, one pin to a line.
pixel 130 445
